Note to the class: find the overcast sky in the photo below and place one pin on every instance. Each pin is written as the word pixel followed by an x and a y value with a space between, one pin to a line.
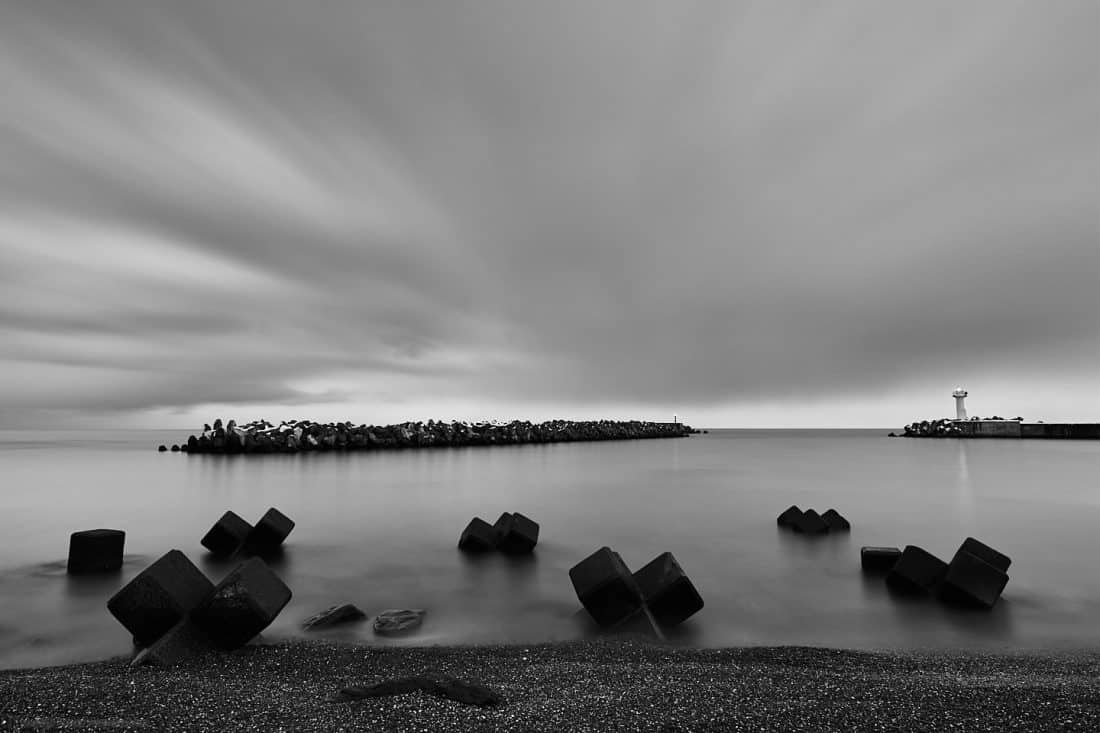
pixel 744 213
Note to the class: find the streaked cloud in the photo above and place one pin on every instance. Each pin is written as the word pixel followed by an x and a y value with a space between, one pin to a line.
pixel 432 210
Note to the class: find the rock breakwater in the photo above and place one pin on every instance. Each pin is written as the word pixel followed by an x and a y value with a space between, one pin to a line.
pixel 297 436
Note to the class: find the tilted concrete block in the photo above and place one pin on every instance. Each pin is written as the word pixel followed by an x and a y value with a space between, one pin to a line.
pixel 972 581
pixel 95 551
pixel 159 597
pixel 269 533
pixel 479 536
pixel 983 551
pixel 605 587
pixel 878 559
pixel 789 516
pixel 667 590
pixel 916 571
pixel 836 521
pixel 227 535
pixel 242 605
pixel 516 534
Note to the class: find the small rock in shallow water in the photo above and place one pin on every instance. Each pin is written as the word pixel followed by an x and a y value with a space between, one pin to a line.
pixel 332 616
pixel 398 621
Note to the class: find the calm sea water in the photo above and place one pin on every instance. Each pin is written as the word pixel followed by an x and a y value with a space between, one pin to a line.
pixel 379 530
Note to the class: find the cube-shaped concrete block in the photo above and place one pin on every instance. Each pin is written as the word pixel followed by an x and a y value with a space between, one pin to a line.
pixel 95 551
pixel 242 605
pixel 983 551
pixel 227 535
pixel 810 523
pixel 269 533
pixel 516 534
pixel 159 597
pixel 916 571
pixel 972 581
pixel 836 521
pixel 878 559
pixel 479 536
pixel 667 590
pixel 605 587
pixel 789 516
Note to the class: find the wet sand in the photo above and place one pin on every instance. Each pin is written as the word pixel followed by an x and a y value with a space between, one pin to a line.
pixel 606 685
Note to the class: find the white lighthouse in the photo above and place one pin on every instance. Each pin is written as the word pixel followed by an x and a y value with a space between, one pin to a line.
pixel 960 409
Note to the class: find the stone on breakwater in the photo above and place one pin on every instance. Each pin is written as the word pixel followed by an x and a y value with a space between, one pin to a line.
pixel 332 616
pixel 269 533
pixel 396 621
pixel 261 437
pixel 916 571
pixel 985 552
pixel 159 597
pixel 242 605
pixel 95 551
pixel 667 590
pixel 516 534
pixel 789 516
pixel 605 586
pixel 878 559
pixel 972 581
pixel 227 535
pixel 479 536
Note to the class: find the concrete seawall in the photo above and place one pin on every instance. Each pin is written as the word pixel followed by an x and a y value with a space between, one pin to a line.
pixel 1002 429
pixel 303 435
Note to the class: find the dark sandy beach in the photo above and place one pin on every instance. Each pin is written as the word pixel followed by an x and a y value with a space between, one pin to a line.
pixel 617 684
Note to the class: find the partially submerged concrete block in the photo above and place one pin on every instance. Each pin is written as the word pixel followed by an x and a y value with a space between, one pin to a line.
pixel 641 622
pixel 516 534
pixel 242 605
pixel 269 533
pixel 972 581
pixel 159 597
pixel 227 535
pixel 984 552
pixel 916 571
pixel 789 516
pixel 836 521
pixel 810 523
pixel 479 536
pixel 878 559
pixel 605 587
pixel 183 641
pixel 667 590
pixel 95 551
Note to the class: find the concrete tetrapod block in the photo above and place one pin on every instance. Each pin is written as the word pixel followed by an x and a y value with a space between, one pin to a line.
pixel 95 551
pixel 605 587
pixel 972 581
pixel 836 521
pixel 242 605
pixel 642 622
pixel 479 536
pixel 269 533
pixel 516 534
pixel 227 535
pixel 983 551
pixel 878 559
pixel 810 523
pixel 159 597
pixel 789 516
pixel 667 590
pixel 916 571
